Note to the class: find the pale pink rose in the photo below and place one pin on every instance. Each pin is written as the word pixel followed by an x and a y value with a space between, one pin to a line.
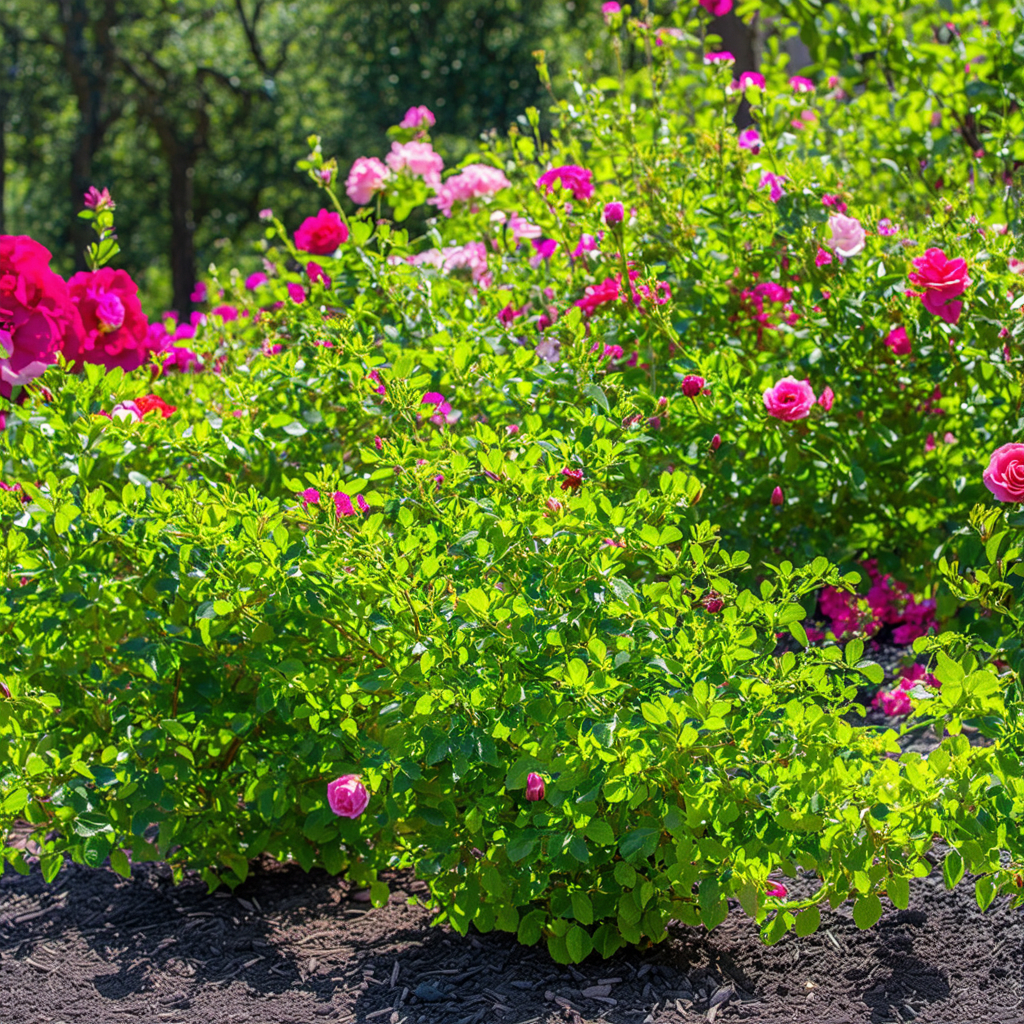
pixel 826 398
pixel 347 796
pixel 847 235
pixel 471 183
pixel 1004 476
pixel 419 158
pixel 1016 266
pixel 367 177
pixel 790 399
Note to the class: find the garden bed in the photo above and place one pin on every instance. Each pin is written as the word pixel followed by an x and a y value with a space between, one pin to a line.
pixel 291 947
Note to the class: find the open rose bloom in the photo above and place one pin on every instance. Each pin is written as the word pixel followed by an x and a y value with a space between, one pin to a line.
pixel 1004 476
pixel 347 796
pixel 941 280
pixel 846 237
pixel 36 312
pixel 790 399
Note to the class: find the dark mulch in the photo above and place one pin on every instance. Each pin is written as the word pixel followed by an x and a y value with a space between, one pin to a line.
pixel 290 947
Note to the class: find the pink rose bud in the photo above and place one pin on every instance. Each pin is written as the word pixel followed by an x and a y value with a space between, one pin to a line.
pixel 777 498
pixel 715 442
pixel 663 402
pixel 534 787
pixel 776 889
pixel 347 796
pixel 614 213
pixel 96 200
pixel 266 214
pixel 713 602
pixel 553 505
pixel 826 398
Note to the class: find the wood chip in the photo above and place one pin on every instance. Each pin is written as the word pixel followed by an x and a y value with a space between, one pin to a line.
pixel 380 1013
pixel 394 974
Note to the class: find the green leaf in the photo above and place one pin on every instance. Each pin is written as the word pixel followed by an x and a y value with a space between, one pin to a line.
pixel 866 911
pixel 600 832
pixel 120 863
pixel 582 908
pixel 985 890
pixel 952 869
pixel 521 847
pixel 531 927
pixel 50 865
pixel 596 394
pixel 898 889
pixel 379 893
pixel 579 943
pixel 807 921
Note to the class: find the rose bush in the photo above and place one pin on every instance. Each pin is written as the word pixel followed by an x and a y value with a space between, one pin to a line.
pixel 540 553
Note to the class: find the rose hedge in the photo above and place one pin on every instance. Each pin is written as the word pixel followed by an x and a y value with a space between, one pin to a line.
pixel 498 553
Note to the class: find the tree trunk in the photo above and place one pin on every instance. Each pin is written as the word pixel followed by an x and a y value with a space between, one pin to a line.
pixel 183 254
pixel 90 73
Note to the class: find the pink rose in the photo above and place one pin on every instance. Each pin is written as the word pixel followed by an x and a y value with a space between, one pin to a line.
pixel 940 280
pixel 418 117
pixel 115 331
pixel 347 796
pixel 419 158
pixel 749 139
pixel 776 889
pixel 716 8
pixel 577 180
pixel 472 182
pixel 692 385
pixel 534 787
pixel 801 85
pixel 366 179
pixel 37 316
pixel 826 398
pixel 898 341
pixel 253 281
pixel 1004 476
pixel 322 234
pixel 790 399
pixel 614 213
pixel 777 497
pixel 847 235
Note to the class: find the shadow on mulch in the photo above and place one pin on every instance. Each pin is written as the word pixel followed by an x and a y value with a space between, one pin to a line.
pixel 291 947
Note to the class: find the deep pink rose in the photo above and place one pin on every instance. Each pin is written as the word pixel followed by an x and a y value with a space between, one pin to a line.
pixel 534 786
pixel 1004 476
pixel 367 177
pixel 347 796
pixel 37 316
pixel 716 8
pixel 826 398
pixel 614 213
pixel 790 399
pixel 776 889
pixel 577 180
pixel 941 280
pixel 777 497
pixel 322 234
pixel 898 341
pixel 115 331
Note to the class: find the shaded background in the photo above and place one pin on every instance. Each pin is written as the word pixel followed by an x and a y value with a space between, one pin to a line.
pixel 194 112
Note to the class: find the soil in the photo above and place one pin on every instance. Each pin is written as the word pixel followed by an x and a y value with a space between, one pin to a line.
pixel 291 947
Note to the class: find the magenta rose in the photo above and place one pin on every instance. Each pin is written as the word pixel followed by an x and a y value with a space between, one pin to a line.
pixel 36 313
pixel 347 796
pixel 534 786
pixel 940 280
pixel 115 331
pixel 1004 476
pixel 789 399
pixel 322 234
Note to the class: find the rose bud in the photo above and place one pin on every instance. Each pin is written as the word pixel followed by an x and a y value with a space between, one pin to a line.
pixel 534 787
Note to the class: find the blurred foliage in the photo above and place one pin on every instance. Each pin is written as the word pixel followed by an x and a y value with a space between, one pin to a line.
pixel 228 91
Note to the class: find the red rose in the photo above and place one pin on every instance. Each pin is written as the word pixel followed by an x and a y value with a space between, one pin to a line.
pixel 322 234
pixel 36 314
pixel 115 331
